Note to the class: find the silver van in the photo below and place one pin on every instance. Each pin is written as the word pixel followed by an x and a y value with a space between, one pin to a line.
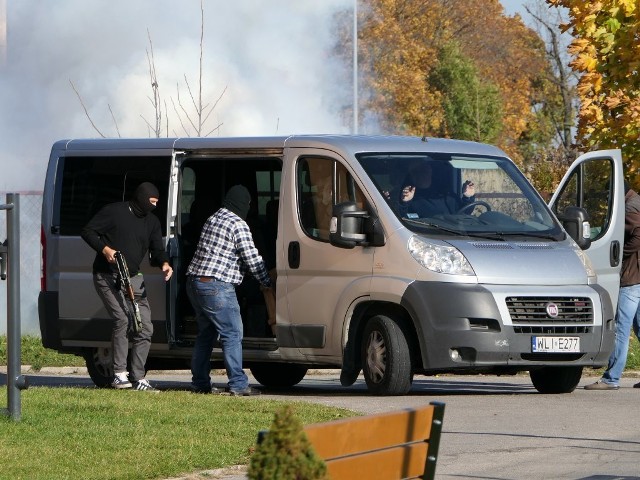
pixel 495 282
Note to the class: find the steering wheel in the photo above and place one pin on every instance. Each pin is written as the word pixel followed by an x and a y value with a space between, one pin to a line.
pixel 472 205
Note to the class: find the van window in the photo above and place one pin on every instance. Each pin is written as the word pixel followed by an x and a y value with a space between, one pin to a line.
pixel 323 183
pixel 89 183
pixel 590 187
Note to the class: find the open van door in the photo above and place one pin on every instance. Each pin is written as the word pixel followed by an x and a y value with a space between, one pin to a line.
pixel 595 182
pixel 173 248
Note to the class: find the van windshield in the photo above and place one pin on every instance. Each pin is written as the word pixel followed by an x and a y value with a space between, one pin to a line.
pixel 466 195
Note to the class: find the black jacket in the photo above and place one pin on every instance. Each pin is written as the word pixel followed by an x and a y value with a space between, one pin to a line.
pixel 118 227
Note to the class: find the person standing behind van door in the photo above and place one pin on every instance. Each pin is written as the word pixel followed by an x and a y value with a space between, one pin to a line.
pixel 628 313
pixel 129 228
pixel 225 251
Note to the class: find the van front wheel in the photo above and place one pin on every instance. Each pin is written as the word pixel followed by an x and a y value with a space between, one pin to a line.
pixel 278 375
pixel 99 363
pixel 556 379
pixel 386 359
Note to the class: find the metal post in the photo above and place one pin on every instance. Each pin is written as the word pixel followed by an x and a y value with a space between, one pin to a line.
pixel 15 381
pixel 355 67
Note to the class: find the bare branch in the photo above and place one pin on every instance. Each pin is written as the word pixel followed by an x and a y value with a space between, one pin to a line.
pixel 217 127
pixel 85 110
pixel 215 104
pixel 114 120
pixel 175 109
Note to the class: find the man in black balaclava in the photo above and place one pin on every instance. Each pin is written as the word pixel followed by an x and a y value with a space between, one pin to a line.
pixel 141 203
pixel 224 252
pixel 127 227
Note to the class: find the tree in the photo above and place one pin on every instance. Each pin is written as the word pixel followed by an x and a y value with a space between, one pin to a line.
pixel 472 107
pixel 605 54
pixel 399 42
pixel 196 119
pixel 286 453
pixel 558 99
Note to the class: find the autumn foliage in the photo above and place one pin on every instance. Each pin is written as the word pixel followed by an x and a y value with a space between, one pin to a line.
pixel 606 53
pixel 400 47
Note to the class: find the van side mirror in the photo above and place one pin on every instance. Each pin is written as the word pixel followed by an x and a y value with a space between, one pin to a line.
pixel 350 227
pixel 575 221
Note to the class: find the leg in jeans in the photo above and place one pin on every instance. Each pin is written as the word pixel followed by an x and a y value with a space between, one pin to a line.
pixel 201 358
pixel 219 306
pixel 628 302
pixel 141 342
pixel 113 300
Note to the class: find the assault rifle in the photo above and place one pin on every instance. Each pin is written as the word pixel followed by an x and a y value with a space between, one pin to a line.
pixel 125 280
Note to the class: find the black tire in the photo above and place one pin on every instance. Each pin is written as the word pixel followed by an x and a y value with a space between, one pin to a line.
pixel 278 375
pixel 99 363
pixel 386 358
pixel 556 379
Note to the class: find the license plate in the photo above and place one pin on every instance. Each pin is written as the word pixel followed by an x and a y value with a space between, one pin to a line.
pixel 555 344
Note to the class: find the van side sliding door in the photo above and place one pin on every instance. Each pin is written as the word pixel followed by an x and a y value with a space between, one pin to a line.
pixel 87 181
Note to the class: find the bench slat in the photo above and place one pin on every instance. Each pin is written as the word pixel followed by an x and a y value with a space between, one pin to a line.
pixel 361 434
pixel 397 463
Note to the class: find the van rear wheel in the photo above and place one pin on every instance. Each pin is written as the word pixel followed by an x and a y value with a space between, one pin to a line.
pixel 386 358
pixel 278 375
pixel 556 379
pixel 99 363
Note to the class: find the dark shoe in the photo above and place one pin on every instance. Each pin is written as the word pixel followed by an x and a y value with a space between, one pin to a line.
pixel 247 392
pixel 212 391
pixel 601 385
pixel 637 385
pixel 144 386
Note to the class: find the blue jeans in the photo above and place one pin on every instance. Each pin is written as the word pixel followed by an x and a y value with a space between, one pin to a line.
pixel 627 316
pixel 218 316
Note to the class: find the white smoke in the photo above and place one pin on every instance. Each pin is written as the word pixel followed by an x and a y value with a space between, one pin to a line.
pixel 273 57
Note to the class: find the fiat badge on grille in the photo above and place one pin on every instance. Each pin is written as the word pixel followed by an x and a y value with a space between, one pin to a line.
pixel 552 310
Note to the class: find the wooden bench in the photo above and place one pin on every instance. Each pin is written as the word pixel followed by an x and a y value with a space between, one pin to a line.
pixel 402 444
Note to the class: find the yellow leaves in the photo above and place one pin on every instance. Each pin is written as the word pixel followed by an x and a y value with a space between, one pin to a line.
pixel 585 63
pixel 629 6
pixel 606 53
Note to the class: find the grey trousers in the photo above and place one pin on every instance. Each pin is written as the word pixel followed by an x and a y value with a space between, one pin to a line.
pixel 119 308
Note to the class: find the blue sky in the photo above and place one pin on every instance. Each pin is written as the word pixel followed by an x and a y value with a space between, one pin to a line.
pixel 513 6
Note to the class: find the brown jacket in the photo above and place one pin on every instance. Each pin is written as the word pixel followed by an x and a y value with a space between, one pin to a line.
pixel 630 274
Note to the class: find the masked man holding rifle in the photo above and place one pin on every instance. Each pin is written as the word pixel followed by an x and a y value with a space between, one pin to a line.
pixel 127 227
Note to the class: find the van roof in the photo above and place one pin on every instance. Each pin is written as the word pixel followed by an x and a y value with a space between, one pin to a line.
pixel 349 144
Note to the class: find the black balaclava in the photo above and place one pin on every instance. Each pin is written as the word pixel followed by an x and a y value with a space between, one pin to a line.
pixel 140 204
pixel 237 200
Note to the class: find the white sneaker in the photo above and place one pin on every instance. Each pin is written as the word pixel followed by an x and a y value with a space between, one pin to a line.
pixel 121 380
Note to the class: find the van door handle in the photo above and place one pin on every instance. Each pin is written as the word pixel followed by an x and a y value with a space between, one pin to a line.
pixel 294 254
pixel 614 253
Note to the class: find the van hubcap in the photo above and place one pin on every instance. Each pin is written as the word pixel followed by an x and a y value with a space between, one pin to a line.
pixel 376 356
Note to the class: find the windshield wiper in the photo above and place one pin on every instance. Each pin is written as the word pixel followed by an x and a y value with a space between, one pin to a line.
pixel 547 236
pixel 433 225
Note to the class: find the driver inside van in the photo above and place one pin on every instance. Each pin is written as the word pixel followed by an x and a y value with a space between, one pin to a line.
pixel 422 197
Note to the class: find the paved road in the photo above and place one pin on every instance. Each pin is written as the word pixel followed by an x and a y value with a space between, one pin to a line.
pixel 495 428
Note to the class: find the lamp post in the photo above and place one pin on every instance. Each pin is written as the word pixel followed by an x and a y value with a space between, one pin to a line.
pixel 355 67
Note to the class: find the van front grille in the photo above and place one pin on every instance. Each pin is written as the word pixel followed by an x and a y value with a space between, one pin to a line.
pixel 550 310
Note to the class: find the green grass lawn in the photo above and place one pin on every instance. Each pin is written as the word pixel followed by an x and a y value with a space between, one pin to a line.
pixel 72 433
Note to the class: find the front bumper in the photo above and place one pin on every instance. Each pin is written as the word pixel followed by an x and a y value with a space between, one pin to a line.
pixel 468 327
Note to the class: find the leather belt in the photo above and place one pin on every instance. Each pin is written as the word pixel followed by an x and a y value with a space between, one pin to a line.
pixel 207 279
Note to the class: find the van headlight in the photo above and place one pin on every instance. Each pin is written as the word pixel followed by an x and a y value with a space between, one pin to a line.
pixel 586 261
pixel 439 258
